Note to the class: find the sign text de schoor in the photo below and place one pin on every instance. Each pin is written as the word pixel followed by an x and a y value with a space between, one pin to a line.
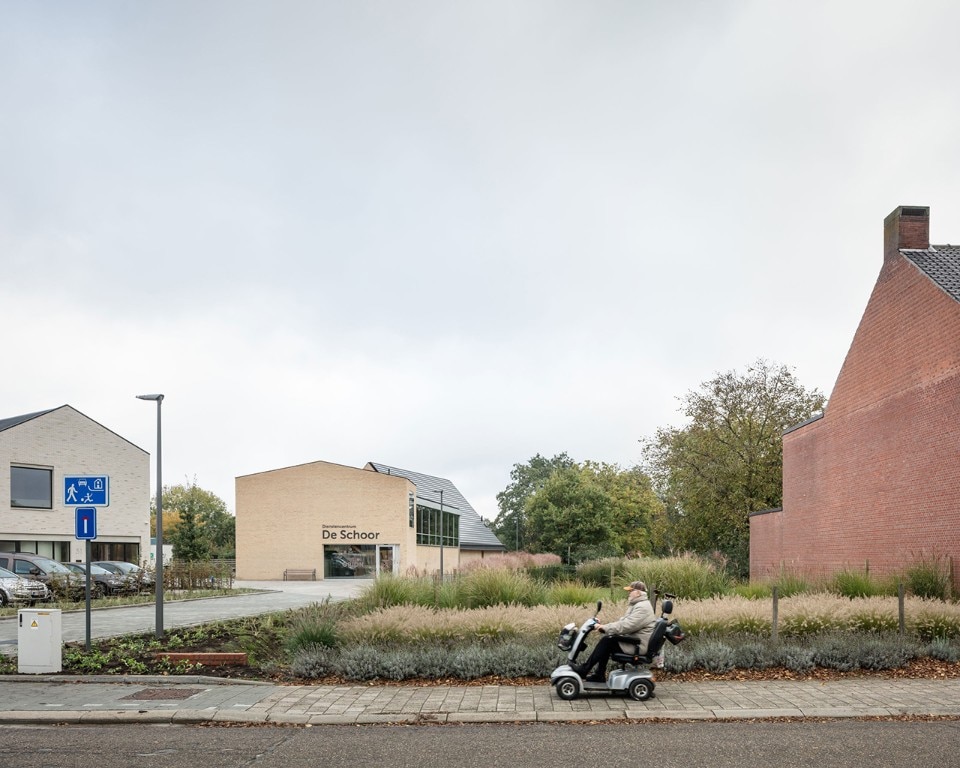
pixel 346 535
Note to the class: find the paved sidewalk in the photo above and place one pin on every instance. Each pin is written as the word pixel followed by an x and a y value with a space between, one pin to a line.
pixel 198 699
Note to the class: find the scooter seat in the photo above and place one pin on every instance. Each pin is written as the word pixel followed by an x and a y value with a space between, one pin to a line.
pixel 653 646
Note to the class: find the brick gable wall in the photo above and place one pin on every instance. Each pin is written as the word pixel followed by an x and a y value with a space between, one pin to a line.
pixel 876 481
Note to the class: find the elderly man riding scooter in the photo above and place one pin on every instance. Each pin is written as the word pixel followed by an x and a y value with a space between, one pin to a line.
pixel 636 625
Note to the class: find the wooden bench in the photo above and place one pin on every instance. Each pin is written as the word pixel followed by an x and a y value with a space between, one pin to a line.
pixel 301 574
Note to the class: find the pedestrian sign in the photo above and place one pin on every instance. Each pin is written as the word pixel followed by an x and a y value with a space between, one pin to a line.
pixel 86 490
pixel 86 523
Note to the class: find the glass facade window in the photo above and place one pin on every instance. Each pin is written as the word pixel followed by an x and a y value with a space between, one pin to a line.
pixel 351 562
pixel 126 552
pixel 55 550
pixel 428 527
pixel 31 487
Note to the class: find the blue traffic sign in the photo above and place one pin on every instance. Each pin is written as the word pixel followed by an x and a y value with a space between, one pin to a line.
pixel 86 522
pixel 83 490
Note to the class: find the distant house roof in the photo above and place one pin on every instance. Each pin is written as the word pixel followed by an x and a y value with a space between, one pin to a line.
pixel 473 533
pixel 941 263
pixel 13 421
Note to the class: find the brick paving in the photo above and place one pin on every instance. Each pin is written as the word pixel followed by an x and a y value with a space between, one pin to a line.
pixel 101 699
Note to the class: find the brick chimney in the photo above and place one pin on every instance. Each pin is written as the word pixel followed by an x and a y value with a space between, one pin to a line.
pixel 906 227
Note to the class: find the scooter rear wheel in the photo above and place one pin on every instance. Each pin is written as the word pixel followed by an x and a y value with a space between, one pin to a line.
pixel 568 688
pixel 640 690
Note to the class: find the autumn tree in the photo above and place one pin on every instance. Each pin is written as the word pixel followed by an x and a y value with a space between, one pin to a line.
pixel 196 522
pixel 728 460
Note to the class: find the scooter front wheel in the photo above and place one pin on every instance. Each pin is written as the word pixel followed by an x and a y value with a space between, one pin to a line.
pixel 568 688
pixel 640 690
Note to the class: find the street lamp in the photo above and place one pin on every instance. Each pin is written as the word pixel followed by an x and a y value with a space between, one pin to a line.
pixel 159 630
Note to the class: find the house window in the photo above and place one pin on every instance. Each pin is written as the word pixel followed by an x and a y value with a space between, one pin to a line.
pixel 31 487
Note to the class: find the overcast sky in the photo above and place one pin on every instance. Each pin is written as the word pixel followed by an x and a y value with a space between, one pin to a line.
pixel 448 236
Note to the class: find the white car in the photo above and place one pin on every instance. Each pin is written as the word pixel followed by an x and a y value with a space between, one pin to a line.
pixel 16 589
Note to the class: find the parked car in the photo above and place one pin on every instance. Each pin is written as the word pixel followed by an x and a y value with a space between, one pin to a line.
pixel 102 581
pixel 16 589
pixel 140 579
pixel 62 582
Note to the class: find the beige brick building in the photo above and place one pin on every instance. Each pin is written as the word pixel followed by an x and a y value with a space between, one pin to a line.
pixel 37 451
pixel 327 520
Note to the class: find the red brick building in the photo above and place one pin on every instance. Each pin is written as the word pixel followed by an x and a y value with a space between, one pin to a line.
pixel 874 482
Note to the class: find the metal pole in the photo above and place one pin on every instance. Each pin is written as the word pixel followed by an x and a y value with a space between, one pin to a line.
pixel 441 534
pixel 159 631
pixel 88 593
pixel 159 400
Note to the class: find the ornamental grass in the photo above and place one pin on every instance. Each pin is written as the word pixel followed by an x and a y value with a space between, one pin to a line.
pixel 416 624
pixel 798 617
pixel 819 613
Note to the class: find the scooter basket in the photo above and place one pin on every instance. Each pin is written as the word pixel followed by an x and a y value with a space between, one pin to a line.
pixel 675 633
pixel 565 641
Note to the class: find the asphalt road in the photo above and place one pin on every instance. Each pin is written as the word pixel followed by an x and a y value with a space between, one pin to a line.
pixel 899 744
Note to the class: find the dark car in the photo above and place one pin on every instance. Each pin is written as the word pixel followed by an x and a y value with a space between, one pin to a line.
pixel 102 581
pixel 18 589
pixel 63 582
pixel 139 579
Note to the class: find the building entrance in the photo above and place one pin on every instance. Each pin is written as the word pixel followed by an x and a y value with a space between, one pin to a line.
pixel 358 561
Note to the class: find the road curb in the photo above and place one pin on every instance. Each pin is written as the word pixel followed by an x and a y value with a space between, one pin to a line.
pixel 132 679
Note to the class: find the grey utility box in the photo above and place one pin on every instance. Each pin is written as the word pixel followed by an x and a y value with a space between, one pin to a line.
pixel 39 641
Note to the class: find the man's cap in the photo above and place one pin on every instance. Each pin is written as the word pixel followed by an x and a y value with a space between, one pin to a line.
pixel 636 585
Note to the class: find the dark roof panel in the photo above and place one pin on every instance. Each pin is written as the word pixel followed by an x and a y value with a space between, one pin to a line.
pixel 13 421
pixel 473 533
pixel 941 263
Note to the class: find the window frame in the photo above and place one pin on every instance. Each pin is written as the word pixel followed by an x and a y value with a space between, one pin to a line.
pixel 16 503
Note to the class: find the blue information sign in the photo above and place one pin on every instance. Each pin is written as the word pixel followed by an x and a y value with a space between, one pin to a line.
pixel 86 490
pixel 86 522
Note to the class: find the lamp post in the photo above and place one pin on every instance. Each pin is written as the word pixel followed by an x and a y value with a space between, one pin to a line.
pixel 159 629
pixel 441 534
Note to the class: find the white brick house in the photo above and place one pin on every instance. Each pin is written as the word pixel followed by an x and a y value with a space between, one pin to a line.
pixel 37 450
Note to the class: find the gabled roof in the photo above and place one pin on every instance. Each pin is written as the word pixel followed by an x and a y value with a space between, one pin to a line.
pixel 14 421
pixel 941 263
pixel 473 533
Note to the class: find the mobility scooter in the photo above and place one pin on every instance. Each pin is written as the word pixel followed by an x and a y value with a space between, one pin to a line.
pixel 632 674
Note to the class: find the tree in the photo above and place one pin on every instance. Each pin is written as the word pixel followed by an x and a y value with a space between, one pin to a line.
pixel 189 543
pixel 197 523
pixel 580 510
pixel 525 480
pixel 728 461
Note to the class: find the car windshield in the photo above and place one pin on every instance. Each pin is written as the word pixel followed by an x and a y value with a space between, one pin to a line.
pixel 5 574
pixel 95 570
pixel 50 566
